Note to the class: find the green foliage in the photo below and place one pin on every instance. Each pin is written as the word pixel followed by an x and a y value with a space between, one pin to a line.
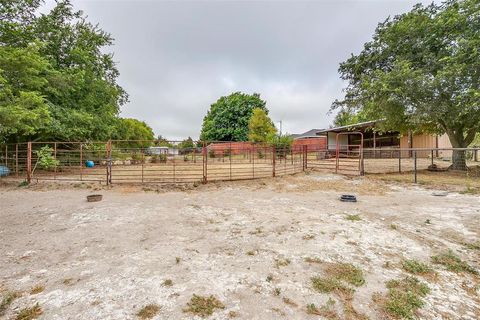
pixel 416 267
pixel 186 145
pixel 203 306
pixel 405 297
pixel 57 82
pixel 260 126
pixel 162 142
pixel 45 158
pixel 420 73
pixel 453 263
pixel 132 129
pixel 228 117
pixel 282 144
pixel 346 117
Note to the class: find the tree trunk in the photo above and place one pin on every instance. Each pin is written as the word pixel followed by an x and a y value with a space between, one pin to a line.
pixel 458 160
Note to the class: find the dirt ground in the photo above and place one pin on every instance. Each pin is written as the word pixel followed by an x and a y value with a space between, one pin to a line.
pixel 246 243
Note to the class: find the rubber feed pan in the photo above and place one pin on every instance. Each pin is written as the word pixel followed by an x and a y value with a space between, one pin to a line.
pixel 348 198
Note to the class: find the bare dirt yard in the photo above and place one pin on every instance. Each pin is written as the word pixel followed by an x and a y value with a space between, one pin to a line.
pixel 283 248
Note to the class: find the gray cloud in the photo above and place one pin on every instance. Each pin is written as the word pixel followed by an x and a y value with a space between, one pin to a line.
pixel 176 58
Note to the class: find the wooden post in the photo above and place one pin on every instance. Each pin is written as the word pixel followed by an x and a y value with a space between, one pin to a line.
pixel 29 161
pixel 432 157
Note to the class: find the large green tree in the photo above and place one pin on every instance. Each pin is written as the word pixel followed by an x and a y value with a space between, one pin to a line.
pixel 57 81
pixel 228 117
pixel 421 72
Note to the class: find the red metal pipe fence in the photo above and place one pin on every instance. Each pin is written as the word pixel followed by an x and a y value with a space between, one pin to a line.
pixel 174 162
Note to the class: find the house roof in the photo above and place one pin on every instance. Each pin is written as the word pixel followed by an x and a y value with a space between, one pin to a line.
pixel 361 125
pixel 309 134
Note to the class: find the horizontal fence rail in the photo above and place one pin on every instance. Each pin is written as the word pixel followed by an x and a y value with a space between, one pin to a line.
pixel 176 162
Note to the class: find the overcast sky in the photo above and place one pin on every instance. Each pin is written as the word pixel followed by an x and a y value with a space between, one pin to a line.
pixel 176 58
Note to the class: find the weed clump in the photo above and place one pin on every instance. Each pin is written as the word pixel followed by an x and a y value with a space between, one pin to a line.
pixel 404 297
pixel 203 306
pixel 168 283
pixel 415 267
pixel 7 300
pixel 453 263
pixel 37 289
pixel 149 311
pixel 353 217
pixel 326 311
pixel 29 313
pixel 346 272
pixel 282 262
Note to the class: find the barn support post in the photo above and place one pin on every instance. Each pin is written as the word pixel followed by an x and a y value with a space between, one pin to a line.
pixel 29 161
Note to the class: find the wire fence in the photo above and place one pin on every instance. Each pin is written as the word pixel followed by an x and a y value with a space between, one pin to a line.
pixel 174 162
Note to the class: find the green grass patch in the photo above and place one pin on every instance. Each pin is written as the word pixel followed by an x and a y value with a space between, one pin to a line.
pixel 415 267
pixel 353 217
pixel 282 262
pixel 472 246
pixel 453 263
pixel 404 297
pixel 149 311
pixel 346 272
pixel 203 306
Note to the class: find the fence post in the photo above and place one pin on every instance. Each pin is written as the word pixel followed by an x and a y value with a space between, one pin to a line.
pixel 204 162
pixel 475 154
pixel 81 161
pixel 415 165
pixel 253 162
pixel 399 161
pixel 108 150
pixel 273 160
pixel 16 160
pixel 6 155
pixel 55 157
pixel 432 157
pixel 29 161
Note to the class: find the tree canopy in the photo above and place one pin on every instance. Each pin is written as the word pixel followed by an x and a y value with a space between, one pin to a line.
pixel 260 127
pixel 421 72
pixel 228 117
pixel 57 80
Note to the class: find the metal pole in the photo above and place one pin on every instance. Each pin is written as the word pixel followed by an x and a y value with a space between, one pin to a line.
pixel 55 156
pixel 253 162
pixel 399 161
pixel 16 160
pixel 432 157
pixel 6 155
pixel 273 160
pixel 81 161
pixel 415 165
pixel 230 156
pixel 29 162
pixel 204 162
pixel 143 161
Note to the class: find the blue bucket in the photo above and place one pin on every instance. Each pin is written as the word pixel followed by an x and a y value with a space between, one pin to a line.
pixel 4 171
pixel 89 164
